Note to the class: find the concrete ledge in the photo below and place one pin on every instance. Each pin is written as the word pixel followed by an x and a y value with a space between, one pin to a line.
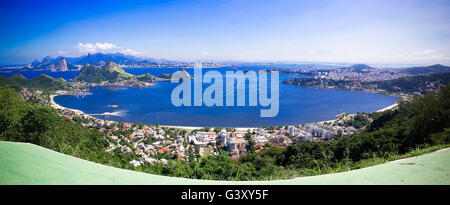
pixel 23 163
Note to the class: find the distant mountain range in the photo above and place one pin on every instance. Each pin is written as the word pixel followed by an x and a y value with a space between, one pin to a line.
pixel 67 63
pixel 95 59
pixel 57 64
pixel 438 68
pixel 101 59
pixel 422 70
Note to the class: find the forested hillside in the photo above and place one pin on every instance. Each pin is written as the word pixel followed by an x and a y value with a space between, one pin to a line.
pixel 422 122
pixel 42 82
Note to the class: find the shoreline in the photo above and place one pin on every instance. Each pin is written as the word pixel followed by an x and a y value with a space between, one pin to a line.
pixel 390 107
pixel 79 112
pixel 58 106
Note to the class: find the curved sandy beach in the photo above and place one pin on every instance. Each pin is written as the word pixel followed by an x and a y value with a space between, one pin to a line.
pixel 58 106
pixel 78 112
pixel 388 107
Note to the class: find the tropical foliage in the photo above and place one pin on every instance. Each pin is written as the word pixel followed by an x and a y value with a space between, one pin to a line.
pixel 420 123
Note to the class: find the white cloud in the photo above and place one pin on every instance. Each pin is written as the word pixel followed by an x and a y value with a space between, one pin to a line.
pixel 132 52
pixel 106 48
pixel 97 47
pixel 61 52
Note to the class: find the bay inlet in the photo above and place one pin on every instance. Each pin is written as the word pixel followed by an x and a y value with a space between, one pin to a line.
pixel 153 105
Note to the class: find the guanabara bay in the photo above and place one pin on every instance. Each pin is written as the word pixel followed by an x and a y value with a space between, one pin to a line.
pixel 230 93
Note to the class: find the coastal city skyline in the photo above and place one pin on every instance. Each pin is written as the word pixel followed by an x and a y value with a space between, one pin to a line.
pixel 381 32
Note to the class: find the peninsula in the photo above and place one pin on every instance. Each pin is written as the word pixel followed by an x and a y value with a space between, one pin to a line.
pixel 349 142
pixel 402 83
pixel 112 74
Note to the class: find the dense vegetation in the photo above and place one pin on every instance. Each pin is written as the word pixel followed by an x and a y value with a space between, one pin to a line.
pixel 37 89
pixel 165 75
pixel 110 72
pixel 421 122
pixel 42 82
pixel 438 68
pixel 24 122
pixel 415 84
pixel 147 77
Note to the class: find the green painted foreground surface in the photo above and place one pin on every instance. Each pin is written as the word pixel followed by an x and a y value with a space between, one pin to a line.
pixel 30 164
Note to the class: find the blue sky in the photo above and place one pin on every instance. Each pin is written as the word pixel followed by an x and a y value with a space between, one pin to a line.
pixel 378 31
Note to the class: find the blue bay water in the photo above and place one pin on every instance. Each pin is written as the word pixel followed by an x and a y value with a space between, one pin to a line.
pixel 153 104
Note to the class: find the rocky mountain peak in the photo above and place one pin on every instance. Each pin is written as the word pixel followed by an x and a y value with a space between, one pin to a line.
pixel 62 65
